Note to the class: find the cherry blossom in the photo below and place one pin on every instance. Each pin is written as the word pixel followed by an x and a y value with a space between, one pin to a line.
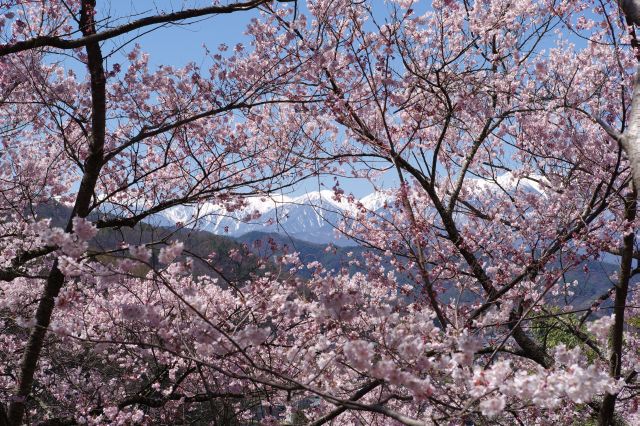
pixel 501 138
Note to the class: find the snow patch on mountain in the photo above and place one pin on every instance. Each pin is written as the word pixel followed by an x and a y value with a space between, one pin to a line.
pixel 508 183
pixel 312 216
pixel 377 201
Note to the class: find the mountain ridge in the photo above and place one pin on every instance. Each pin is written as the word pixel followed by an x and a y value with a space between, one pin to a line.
pixel 313 216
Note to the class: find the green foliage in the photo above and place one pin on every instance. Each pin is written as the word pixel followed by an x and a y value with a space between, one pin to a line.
pixel 634 321
pixel 555 328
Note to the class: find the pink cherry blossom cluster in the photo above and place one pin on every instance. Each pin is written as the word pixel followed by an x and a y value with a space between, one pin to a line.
pixel 499 138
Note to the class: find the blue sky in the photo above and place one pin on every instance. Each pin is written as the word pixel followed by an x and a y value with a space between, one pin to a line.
pixel 178 44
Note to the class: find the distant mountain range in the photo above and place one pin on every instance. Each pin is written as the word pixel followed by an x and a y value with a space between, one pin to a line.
pixel 313 216
pixel 304 224
pixel 593 277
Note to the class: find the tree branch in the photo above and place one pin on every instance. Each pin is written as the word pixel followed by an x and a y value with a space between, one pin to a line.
pixel 94 38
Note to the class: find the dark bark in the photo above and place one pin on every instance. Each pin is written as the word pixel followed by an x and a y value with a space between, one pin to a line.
pixel 92 166
pixel 13 272
pixel 606 416
pixel 160 402
pixel 94 38
pixel 529 346
pixel 4 420
pixel 531 349
pixel 356 396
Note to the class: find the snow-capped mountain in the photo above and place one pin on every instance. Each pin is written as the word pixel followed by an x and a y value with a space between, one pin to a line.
pixel 312 216
pixel 508 183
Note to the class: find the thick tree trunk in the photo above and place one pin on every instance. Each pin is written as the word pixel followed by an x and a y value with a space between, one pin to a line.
pixel 606 415
pixel 630 139
pixel 631 9
pixel 92 166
